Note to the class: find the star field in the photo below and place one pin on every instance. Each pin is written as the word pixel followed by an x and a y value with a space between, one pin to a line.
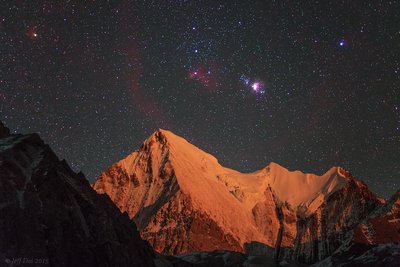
pixel 309 85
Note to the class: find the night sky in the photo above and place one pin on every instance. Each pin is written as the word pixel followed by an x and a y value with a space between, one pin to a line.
pixel 306 84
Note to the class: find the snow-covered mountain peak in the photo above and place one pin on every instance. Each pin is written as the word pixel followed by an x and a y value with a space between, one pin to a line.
pixel 161 136
pixel 303 189
pixel 195 169
pixel 165 137
pixel 169 184
pixel 179 150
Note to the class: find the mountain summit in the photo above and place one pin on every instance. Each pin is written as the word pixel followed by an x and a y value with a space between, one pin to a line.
pixel 183 200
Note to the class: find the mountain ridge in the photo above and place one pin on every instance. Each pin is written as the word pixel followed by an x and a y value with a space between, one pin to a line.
pixel 174 190
pixel 50 215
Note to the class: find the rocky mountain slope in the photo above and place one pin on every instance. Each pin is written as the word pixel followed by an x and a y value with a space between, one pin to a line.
pixel 183 200
pixel 374 242
pixel 50 216
pixel 382 226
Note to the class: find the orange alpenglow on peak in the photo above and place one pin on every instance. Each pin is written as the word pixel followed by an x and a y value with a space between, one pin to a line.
pixel 183 200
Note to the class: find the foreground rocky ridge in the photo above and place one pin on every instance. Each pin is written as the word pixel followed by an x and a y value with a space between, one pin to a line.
pixel 354 255
pixel 183 200
pixel 50 216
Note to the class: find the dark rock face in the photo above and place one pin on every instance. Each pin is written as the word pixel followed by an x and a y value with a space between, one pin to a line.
pixel 309 239
pixel 223 258
pixel 4 131
pixel 373 242
pixel 215 258
pixel 319 235
pixel 361 255
pixel 50 216
pixel 383 226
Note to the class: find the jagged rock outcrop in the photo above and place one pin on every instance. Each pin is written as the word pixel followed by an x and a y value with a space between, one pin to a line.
pixel 50 215
pixel 321 233
pixel 374 242
pixel 382 226
pixel 183 200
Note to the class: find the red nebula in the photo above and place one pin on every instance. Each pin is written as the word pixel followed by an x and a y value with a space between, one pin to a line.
pixel 204 75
